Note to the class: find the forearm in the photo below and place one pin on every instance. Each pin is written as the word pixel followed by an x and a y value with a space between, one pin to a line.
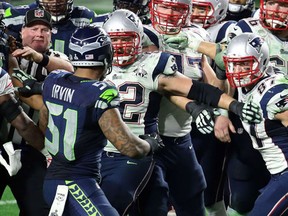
pixel 210 49
pixel 117 132
pixel 56 63
pixel 29 131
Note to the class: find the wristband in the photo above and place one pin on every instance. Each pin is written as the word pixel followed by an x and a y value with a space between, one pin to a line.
pixel 44 61
pixel 223 112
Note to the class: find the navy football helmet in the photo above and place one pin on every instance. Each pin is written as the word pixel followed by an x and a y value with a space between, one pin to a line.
pixel 91 46
pixel 59 9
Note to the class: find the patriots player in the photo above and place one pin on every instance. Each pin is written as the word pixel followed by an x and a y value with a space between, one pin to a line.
pixel 66 18
pixel 246 62
pixel 244 171
pixel 212 153
pixel 80 114
pixel 168 19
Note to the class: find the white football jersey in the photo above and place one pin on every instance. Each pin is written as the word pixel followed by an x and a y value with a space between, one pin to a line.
pixel 137 85
pixel 173 121
pixel 270 136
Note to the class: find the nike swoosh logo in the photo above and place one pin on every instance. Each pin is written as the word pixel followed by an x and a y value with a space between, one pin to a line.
pixel 190 147
pixel 283 96
pixel 131 162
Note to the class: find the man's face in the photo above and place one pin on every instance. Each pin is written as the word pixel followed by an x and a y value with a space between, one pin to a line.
pixel 278 7
pixel 55 7
pixel 200 13
pixel 125 48
pixel 275 14
pixel 169 17
pixel 38 37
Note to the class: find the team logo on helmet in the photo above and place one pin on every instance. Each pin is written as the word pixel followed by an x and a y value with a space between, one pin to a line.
pixel 256 43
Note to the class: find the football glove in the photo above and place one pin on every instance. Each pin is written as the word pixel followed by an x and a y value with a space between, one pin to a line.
pixel 30 84
pixel 155 142
pixel 203 116
pixel 249 112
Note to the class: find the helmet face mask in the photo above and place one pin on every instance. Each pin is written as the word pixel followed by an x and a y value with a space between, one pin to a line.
pixel 126 32
pixel 242 71
pixel 238 7
pixel 125 47
pixel 206 13
pixel 274 14
pixel 246 60
pixel 168 16
pixel 91 46
pixel 59 9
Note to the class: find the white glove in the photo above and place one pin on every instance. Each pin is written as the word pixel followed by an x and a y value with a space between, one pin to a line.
pixel 14 159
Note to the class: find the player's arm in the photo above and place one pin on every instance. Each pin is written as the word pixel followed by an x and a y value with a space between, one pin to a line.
pixel 43 118
pixel 14 114
pixel 117 132
pixel 178 84
pixel 34 101
pixel 49 62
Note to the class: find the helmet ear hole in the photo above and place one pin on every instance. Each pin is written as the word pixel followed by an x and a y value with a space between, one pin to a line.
pixel 90 46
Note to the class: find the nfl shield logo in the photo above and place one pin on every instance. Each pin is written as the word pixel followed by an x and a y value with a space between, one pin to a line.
pixel 39 13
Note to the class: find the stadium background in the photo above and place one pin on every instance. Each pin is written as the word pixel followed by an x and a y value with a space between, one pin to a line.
pixel 8 206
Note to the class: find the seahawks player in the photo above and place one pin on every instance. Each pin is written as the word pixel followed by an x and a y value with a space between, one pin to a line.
pixel 80 114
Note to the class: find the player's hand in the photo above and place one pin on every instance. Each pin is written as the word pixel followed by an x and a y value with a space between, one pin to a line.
pixel 205 120
pixel 179 41
pixel 249 112
pixel 30 84
pixel 203 116
pixel 14 164
pixel 223 127
pixel 154 141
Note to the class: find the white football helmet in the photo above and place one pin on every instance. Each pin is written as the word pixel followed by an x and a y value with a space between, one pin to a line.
pixel 246 59
pixel 169 16
pixel 274 18
pixel 212 12
pixel 124 24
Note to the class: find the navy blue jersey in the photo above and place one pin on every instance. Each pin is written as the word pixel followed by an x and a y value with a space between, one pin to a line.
pixel 73 137
pixel 61 31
